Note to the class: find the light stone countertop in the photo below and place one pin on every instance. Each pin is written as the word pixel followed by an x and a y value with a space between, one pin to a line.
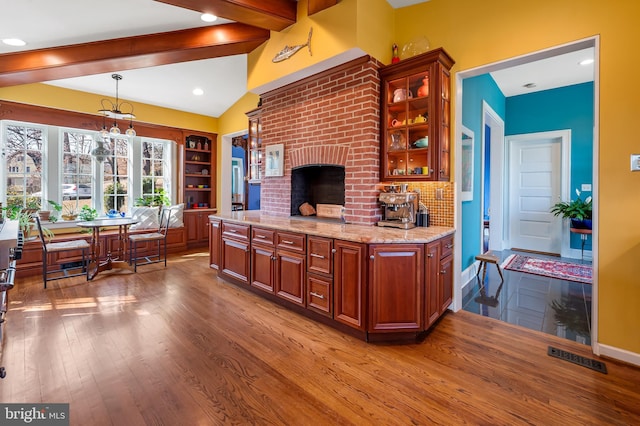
pixel 343 231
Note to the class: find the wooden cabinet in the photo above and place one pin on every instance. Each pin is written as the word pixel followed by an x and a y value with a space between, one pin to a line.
pixel 349 283
pixel 396 283
pixel 263 256
pixel 439 282
pixel 254 147
pixel 199 173
pixel 291 267
pixel 320 274
pixel 197 226
pixel 214 243
pixel 235 256
pixel 415 118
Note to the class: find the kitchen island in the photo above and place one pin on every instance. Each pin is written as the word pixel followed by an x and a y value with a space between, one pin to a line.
pixel 380 284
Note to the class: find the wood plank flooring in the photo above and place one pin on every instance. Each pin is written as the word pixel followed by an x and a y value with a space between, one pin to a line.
pixel 177 346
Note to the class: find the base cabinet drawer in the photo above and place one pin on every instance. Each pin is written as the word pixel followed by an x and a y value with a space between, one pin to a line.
pixel 319 294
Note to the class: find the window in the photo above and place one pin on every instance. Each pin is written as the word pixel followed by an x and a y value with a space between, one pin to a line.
pixel 23 155
pixel 116 175
pixel 76 170
pixel 155 168
pixel 49 163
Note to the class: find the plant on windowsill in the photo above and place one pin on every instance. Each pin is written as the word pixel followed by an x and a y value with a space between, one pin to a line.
pixel 578 211
pixel 48 214
pixel 158 199
pixel 87 213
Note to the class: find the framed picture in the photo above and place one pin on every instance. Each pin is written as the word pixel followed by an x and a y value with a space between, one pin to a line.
pixel 466 183
pixel 275 160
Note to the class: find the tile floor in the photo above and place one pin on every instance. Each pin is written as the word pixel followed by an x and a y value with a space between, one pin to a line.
pixel 558 307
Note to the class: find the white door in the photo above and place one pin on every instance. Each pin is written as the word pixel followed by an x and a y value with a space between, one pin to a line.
pixel 534 186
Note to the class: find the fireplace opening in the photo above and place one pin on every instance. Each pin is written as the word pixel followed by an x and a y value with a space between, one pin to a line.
pixel 316 184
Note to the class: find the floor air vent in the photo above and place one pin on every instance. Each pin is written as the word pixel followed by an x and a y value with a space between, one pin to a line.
pixel 577 359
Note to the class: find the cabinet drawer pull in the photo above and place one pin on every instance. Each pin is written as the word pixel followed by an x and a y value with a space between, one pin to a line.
pixel 443 272
pixel 233 231
pixel 430 255
pixel 287 242
pixel 319 256
pixel 449 246
pixel 318 295
pixel 260 236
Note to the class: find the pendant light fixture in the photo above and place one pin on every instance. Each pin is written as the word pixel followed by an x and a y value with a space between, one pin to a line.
pixel 100 152
pixel 117 110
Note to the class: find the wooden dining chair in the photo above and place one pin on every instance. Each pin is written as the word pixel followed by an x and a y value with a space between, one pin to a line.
pixel 158 236
pixel 60 271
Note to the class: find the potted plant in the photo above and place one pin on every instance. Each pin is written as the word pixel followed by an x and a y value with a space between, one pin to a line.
pixel 47 214
pixel 578 211
pixel 87 213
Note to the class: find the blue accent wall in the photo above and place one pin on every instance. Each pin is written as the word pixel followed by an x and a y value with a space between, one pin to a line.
pixel 254 189
pixel 476 90
pixel 568 107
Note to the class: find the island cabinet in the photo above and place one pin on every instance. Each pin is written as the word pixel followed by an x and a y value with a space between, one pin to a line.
pixel 384 292
pixel 290 267
pixel 438 270
pixel 349 284
pixel 396 282
pixel 320 274
pixel 214 243
pixel 235 256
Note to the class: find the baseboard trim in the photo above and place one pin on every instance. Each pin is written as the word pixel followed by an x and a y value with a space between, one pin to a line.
pixel 617 353
pixel 469 274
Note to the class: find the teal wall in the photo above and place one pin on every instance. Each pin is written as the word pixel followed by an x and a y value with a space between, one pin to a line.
pixel 568 107
pixel 475 90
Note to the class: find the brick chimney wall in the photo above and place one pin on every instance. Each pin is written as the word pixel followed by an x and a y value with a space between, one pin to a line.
pixel 330 118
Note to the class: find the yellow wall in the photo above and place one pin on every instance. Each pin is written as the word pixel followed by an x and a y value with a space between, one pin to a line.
pixel 478 33
pixel 73 100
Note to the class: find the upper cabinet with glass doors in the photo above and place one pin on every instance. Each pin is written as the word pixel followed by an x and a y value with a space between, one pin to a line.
pixel 254 147
pixel 416 117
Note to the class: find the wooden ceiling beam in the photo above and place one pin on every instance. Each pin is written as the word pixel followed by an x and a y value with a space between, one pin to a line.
pixel 273 15
pixel 129 53
pixel 315 6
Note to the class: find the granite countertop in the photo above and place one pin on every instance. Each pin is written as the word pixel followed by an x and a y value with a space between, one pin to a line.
pixel 343 231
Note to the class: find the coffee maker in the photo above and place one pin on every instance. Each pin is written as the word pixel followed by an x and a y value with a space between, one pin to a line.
pixel 399 209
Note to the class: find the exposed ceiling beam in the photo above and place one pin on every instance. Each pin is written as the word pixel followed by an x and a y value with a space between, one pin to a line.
pixel 129 53
pixel 273 15
pixel 316 6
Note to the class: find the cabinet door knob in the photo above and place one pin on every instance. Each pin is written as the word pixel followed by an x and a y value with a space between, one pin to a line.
pixel 334 251
pixel 430 255
pixel 372 257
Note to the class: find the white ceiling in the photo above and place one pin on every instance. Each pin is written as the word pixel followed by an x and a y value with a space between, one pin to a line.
pixel 46 23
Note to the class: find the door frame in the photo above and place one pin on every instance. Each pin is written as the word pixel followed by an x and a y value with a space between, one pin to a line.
pixel 497 176
pixel 460 275
pixel 565 180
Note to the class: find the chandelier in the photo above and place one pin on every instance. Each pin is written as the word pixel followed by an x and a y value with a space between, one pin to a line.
pixel 117 110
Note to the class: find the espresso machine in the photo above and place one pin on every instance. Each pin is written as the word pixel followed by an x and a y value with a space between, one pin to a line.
pixel 399 209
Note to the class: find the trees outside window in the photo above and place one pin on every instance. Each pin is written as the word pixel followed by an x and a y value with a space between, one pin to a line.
pixel 23 155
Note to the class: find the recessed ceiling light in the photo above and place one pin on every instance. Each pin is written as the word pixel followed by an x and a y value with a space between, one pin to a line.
pixel 586 62
pixel 198 91
pixel 14 42
pixel 208 17
pixel 529 85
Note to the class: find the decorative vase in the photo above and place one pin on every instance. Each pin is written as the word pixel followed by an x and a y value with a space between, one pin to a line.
pixel 199 145
pixel 424 89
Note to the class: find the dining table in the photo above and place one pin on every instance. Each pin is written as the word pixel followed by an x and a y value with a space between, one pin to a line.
pixel 113 260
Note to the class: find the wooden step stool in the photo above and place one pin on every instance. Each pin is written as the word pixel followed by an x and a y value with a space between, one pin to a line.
pixel 488 258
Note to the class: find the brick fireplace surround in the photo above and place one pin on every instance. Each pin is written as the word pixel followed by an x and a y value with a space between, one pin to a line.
pixel 332 118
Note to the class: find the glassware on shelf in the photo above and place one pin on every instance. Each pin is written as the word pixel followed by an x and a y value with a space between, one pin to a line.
pixel 397 141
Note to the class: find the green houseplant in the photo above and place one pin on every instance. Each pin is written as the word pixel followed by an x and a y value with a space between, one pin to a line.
pixel 578 211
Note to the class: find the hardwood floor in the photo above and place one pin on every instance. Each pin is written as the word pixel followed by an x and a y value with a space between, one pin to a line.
pixel 177 346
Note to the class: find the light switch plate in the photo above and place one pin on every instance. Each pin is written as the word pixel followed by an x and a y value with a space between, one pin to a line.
pixel 585 187
pixel 635 162
pixel 439 193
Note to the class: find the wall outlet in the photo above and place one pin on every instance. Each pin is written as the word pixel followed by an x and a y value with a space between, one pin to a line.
pixel 635 162
pixel 585 187
pixel 439 194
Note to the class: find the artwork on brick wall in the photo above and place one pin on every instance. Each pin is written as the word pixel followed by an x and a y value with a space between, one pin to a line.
pixel 275 157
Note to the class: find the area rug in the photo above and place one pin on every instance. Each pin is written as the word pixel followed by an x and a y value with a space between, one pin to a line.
pixel 549 268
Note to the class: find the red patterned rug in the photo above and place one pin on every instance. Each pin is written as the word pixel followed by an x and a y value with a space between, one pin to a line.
pixel 549 268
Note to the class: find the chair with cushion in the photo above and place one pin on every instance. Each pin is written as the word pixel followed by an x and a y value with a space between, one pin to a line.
pixel 159 236
pixel 60 247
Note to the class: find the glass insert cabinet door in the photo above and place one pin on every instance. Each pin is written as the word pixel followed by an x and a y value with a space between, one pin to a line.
pixel 415 118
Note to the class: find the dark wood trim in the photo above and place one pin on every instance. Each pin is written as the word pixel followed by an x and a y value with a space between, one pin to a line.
pixel 273 15
pixel 315 6
pixel 129 53
pixel 56 117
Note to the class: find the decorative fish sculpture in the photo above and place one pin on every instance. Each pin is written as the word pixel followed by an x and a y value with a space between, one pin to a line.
pixel 289 51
